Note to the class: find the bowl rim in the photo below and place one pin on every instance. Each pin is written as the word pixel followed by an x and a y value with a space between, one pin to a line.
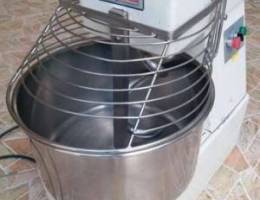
pixel 187 130
pixel 196 123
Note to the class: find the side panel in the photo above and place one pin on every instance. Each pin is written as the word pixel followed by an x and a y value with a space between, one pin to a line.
pixel 229 77
pixel 228 112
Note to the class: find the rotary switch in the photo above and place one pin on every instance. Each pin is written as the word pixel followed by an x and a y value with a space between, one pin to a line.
pixel 234 43
pixel 243 31
pixel 237 40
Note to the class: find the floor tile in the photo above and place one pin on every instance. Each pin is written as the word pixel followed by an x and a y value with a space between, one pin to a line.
pixel 20 145
pixel 249 131
pixel 253 153
pixel 238 193
pixel 255 193
pixel 17 179
pixel 14 194
pixel 222 182
pixel 38 192
pixel 250 181
pixel 20 166
pixel 258 168
pixel 236 160
pixel 5 151
pixel 205 196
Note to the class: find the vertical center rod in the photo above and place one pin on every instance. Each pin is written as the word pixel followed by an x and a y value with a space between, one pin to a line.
pixel 121 126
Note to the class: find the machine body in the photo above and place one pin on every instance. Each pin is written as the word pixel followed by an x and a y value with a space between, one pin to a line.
pixel 128 85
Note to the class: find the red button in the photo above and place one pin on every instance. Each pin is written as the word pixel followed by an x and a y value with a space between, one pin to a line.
pixel 236 43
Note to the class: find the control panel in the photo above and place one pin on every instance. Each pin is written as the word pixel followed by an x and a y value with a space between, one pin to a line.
pixel 234 38
pixel 137 4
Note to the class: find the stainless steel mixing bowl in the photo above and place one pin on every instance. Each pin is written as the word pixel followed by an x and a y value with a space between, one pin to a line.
pixel 72 128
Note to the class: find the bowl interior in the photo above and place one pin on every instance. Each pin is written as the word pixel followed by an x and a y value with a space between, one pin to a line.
pixel 61 101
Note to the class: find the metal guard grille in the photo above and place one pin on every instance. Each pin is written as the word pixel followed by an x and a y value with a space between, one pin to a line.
pixel 119 55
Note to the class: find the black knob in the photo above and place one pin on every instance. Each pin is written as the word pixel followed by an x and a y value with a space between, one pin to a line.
pixel 242 37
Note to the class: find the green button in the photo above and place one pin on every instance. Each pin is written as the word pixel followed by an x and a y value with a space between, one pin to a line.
pixel 243 30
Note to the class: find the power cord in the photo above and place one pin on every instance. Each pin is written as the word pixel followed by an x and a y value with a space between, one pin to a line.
pixel 17 156
pixel 14 156
pixel 6 132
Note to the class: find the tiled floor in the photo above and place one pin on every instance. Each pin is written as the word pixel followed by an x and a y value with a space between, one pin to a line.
pixel 20 22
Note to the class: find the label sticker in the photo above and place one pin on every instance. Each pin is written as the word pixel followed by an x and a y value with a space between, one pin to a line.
pixel 235 57
pixel 136 4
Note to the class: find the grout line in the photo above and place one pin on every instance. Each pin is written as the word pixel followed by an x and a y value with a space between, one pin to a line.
pixel 21 173
pixel 251 143
pixel 15 138
pixel 232 188
pixel 244 157
pixel 13 187
pixel 248 161
pixel 24 182
pixel 210 194
pixel 22 195
pixel 8 147
pixel 257 163
pixel 255 60
pixel 254 87
pixel 248 118
pixel 253 98
pixel 235 183
pixel 12 163
pixel 245 190
pixel 254 169
pixel 230 168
